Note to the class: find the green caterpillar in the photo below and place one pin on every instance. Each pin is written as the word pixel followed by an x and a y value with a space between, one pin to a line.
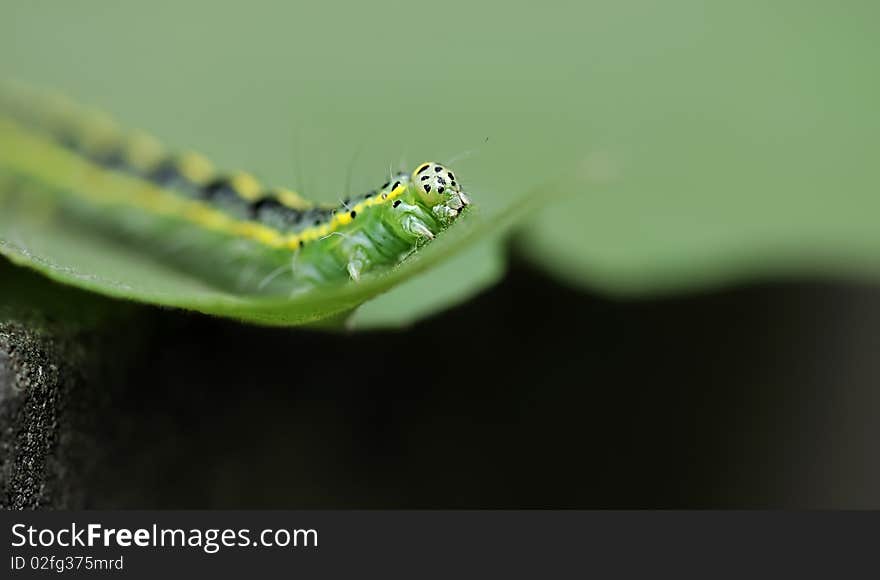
pixel 124 182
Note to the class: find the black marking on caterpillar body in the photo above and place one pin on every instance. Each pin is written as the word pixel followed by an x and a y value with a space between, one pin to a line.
pixel 307 244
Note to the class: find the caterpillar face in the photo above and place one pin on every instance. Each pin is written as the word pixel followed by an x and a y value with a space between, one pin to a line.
pixel 438 188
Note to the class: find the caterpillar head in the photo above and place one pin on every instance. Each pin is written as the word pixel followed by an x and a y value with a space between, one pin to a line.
pixel 438 188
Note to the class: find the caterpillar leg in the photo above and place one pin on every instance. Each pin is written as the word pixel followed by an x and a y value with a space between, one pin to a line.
pixel 359 254
pixel 449 210
pixel 354 269
pixel 444 213
pixel 417 227
pixel 357 262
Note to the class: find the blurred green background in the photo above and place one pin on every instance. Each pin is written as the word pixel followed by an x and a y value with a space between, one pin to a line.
pixel 699 142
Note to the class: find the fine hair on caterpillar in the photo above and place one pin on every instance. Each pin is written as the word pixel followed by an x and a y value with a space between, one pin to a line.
pixel 228 224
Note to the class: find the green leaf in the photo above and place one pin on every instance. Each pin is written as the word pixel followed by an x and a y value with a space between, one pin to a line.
pixel 26 296
pixel 458 278
pixel 736 142
pixel 325 122
pixel 700 142
pixel 85 259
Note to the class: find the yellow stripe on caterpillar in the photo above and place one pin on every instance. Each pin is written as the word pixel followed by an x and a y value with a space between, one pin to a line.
pixel 80 161
pixel 142 151
pixel 45 160
pixel 246 186
pixel 291 199
pixel 195 167
pixel 98 134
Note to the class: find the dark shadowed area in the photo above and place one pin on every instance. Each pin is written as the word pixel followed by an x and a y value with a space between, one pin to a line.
pixel 532 395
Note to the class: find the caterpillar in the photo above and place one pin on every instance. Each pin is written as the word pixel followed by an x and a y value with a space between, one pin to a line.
pixel 125 183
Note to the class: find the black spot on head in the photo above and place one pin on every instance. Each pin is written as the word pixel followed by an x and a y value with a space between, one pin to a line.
pixel 396 184
pixel 427 187
pixel 353 214
pixel 396 203
pixel 423 167
pixel 449 173
pixel 452 183
pixel 441 181
pixel 438 169
pixel 317 222
pixel 369 195
pixel 386 184
pixel 440 190
pixel 426 177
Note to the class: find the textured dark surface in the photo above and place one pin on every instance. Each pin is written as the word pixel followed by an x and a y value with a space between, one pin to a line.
pixel 38 373
pixel 58 350
pixel 28 413
pixel 532 395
